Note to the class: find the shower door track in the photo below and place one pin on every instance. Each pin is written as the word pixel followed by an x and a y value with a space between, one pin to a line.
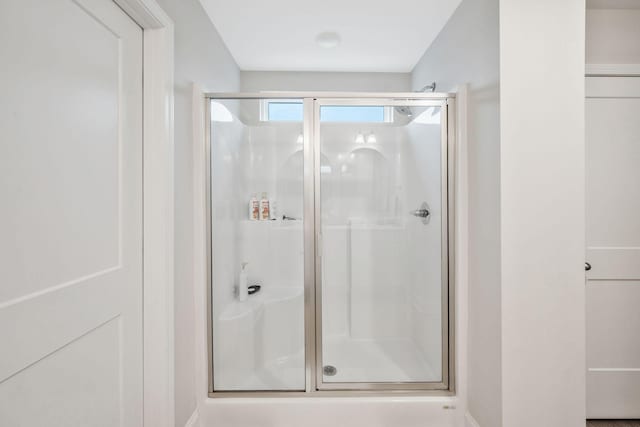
pixel 314 385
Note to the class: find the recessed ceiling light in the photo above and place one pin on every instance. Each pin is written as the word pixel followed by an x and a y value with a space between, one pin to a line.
pixel 328 39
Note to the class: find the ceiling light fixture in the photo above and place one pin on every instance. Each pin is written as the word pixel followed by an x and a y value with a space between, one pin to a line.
pixel 359 138
pixel 328 40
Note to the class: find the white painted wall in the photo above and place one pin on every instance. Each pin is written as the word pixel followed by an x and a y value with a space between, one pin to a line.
pixel 466 51
pixel 613 36
pixel 202 58
pixel 542 212
pixel 255 81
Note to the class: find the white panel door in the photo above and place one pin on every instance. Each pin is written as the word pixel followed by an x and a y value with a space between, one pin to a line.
pixel 613 247
pixel 71 214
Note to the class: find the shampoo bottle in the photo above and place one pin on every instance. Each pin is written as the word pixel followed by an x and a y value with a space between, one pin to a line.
pixel 264 207
pixel 243 289
pixel 254 208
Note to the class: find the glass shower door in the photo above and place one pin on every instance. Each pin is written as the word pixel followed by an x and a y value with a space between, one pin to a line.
pixel 381 224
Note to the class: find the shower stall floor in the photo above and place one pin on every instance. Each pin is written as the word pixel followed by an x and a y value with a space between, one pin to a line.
pixel 369 360
pixel 355 361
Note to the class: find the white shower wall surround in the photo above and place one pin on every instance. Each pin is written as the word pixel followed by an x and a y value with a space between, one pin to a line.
pixel 381 270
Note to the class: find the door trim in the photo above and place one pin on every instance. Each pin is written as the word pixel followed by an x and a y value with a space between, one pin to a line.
pixel 158 204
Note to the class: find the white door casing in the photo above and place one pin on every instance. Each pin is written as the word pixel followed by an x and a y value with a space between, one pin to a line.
pixel 613 246
pixel 158 149
pixel 71 217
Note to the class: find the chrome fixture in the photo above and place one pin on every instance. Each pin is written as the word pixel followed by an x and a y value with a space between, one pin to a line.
pixel 329 370
pixel 431 88
pixel 406 111
pixel 423 212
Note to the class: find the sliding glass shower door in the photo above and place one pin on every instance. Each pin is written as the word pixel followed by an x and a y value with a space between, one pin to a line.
pixel 381 218
pixel 329 246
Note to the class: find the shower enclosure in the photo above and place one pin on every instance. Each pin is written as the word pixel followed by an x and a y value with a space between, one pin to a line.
pixel 330 237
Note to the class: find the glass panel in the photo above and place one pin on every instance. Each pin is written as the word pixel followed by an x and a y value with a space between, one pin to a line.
pixel 292 111
pixel 285 111
pixel 256 222
pixel 382 256
pixel 352 113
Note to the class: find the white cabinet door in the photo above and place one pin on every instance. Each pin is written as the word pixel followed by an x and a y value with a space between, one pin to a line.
pixel 70 214
pixel 613 247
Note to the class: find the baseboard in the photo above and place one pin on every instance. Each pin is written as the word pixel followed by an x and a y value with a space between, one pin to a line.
pixel 469 421
pixel 194 420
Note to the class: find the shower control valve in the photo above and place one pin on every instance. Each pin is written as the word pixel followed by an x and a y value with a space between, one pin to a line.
pixel 422 212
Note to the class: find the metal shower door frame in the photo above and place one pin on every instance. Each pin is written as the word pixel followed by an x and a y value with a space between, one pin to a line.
pixel 446 384
pixel 312 102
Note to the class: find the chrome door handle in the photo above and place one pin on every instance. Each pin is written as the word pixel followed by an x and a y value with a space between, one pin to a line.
pixel 422 212
pixel 587 266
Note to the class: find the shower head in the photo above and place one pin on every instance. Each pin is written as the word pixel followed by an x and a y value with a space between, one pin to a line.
pixel 430 88
pixel 406 111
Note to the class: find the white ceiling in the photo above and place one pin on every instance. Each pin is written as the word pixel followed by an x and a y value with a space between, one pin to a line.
pixel 377 35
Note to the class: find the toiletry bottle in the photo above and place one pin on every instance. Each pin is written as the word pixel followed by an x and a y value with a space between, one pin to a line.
pixel 264 207
pixel 273 209
pixel 254 208
pixel 243 290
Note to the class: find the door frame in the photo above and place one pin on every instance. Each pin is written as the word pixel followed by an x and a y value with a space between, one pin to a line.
pixel 158 207
pixel 312 102
pixel 447 250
